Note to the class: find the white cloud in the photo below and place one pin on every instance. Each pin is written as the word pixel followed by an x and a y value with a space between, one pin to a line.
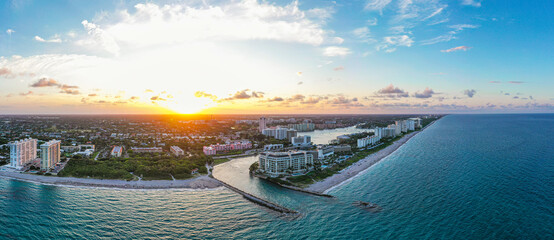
pixel 450 35
pixel 402 40
pixel 337 40
pixel 152 24
pixel 474 3
pixel 361 33
pixel 390 43
pixel 460 48
pixel 100 37
pixel 435 13
pixel 372 22
pixel 460 27
pixel 55 39
pixel 377 5
pixel 10 31
pixel 334 51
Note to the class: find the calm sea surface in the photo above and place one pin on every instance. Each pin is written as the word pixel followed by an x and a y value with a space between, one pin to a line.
pixel 465 177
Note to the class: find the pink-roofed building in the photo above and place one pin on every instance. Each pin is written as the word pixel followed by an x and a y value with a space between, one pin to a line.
pixel 215 148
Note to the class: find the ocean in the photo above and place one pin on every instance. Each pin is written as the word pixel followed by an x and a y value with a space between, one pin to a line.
pixel 465 177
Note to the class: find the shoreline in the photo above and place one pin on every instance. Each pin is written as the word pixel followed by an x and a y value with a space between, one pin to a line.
pixel 198 183
pixel 361 166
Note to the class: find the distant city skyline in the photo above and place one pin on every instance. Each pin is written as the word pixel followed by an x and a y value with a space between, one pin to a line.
pixel 276 57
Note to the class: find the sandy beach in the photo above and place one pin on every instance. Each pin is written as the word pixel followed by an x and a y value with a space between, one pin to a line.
pixel 201 182
pixel 358 167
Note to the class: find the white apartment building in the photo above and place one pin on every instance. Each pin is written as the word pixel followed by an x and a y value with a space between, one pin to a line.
pixel 49 154
pixel 370 140
pixel 301 140
pixel 417 122
pixel 274 164
pixel 403 125
pixel 397 129
pixel 277 133
pixel 22 152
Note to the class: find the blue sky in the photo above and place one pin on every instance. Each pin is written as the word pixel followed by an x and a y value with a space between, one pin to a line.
pixel 372 56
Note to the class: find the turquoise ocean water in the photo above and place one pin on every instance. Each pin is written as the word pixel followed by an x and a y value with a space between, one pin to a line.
pixel 465 177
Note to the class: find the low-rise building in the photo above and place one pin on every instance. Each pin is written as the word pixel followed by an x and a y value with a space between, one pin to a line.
pixel 116 151
pixel 147 149
pixel 275 164
pixel 216 148
pixel 271 147
pixel 177 151
pixel 342 148
pixel 208 150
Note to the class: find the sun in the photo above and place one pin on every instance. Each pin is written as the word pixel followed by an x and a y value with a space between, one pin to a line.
pixel 188 105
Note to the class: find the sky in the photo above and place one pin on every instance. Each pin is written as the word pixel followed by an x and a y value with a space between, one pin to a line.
pixel 276 57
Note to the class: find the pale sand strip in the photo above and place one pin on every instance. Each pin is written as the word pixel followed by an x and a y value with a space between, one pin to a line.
pixel 201 182
pixel 353 170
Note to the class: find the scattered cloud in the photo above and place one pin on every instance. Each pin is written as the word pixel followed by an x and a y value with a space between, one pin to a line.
pixel 427 93
pixel 276 99
pixel 390 43
pixel 495 82
pixel 391 91
pixel 344 102
pixel 361 33
pixel 70 91
pixel 450 35
pixel 339 68
pixel 335 51
pixel 93 95
pixel 311 100
pixel 55 39
pixel 515 82
pixel 202 94
pixel 157 98
pixel 377 5
pixel 10 31
pixel 470 92
pixel 474 3
pixel 49 82
pixel 46 82
pixel 300 83
pixel 26 94
pixel 460 48
pixel 372 22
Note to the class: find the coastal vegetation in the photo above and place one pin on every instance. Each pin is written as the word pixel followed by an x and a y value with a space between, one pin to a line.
pixel 146 166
